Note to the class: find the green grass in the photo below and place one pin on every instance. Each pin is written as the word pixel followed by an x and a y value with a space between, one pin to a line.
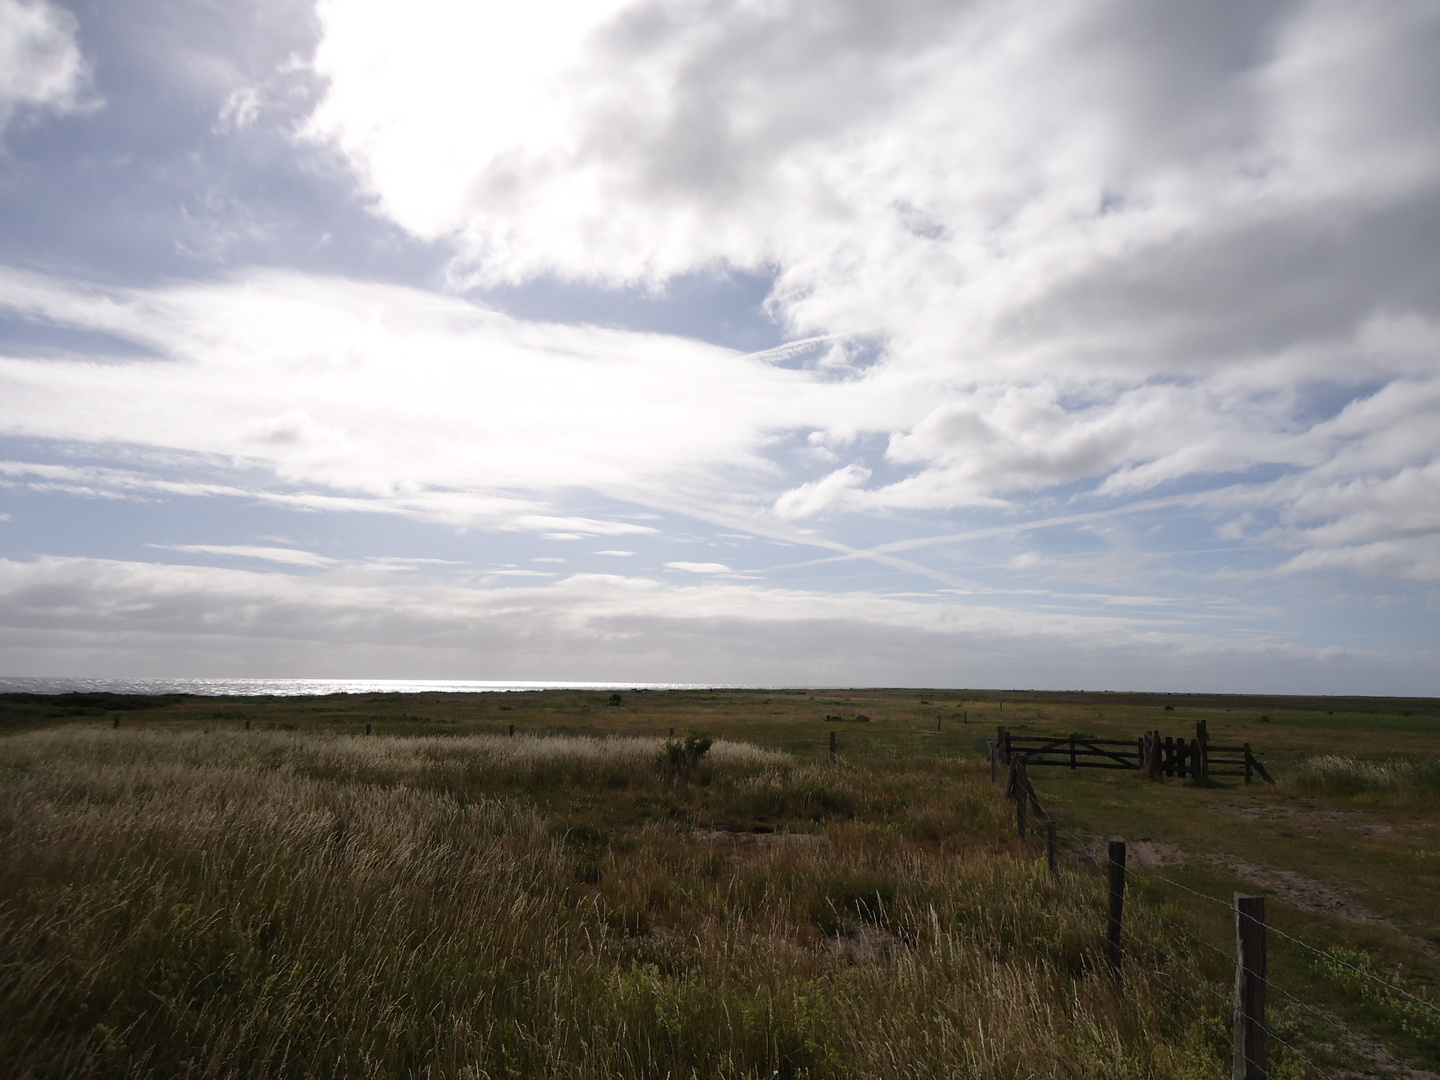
pixel 183 896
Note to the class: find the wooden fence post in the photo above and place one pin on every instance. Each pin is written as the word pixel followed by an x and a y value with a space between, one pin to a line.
pixel 1248 759
pixel 512 731
pixel 1021 819
pixel 1169 755
pixel 832 745
pixel 1117 906
pixel 367 729
pixel 1050 850
pixel 247 725
pixel 672 733
pixel 1250 1048
pixel 937 725
pixel 1072 749
pixel 116 725
pixel 994 760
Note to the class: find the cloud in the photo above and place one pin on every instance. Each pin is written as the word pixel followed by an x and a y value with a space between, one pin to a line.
pixel 57 613
pixel 391 398
pixel 817 496
pixel 41 66
pixel 287 556
pixel 1105 246
pixel 699 567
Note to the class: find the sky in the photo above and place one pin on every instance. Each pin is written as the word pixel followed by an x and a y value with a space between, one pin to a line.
pixel 994 344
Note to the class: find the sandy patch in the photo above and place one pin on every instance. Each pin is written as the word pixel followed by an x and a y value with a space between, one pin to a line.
pixel 863 944
pixel 1372 830
pixel 1298 890
pixel 1144 853
pixel 1275 813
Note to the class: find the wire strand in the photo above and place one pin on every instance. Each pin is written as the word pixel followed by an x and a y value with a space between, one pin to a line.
pixel 1225 1001
pixel 1141 872
pixel 1359 971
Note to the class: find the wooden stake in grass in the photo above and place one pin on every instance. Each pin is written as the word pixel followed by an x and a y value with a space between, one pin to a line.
pixel 247 725
pixel 1019 788
pixel 117 723
pixel 1020 817
pixel 512 731
pixel 367 729
pixel 832 746
pixel 1250 1048
pixel 994 760
pixel 1117 906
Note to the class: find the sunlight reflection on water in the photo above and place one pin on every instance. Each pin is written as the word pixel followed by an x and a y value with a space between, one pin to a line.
pixel 317 687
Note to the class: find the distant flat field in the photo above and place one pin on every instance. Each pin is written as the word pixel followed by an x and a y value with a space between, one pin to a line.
pixel 1295 725
pixel 621 835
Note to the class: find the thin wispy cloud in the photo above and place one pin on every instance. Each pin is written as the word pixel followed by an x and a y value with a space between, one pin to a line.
pixel 287 556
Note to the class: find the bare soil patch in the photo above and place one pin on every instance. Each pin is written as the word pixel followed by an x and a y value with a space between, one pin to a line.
pixel 1144 853
pixel 1302 892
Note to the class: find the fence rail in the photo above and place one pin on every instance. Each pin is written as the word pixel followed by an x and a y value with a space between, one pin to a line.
pixel 1197 759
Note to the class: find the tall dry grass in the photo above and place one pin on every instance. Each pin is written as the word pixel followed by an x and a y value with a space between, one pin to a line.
pixel 290 905
pixel 1334 774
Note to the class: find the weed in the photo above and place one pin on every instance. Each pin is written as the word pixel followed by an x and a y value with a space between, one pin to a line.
pixel 1387 994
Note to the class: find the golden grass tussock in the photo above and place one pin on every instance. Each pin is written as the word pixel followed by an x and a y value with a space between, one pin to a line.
pixel 277 904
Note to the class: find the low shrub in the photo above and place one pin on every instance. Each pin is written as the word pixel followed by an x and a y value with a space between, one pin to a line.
pixel 682 755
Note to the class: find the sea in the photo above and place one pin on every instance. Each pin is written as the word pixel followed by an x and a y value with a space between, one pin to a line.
pixel 319 687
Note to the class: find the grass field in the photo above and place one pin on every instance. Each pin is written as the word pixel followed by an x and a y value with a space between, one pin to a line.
pixel 187 896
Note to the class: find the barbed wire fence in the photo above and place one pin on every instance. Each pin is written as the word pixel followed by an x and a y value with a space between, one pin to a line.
pixel 1250 1032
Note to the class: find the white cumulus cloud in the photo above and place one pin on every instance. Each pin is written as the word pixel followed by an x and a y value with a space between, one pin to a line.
pixel 1110 244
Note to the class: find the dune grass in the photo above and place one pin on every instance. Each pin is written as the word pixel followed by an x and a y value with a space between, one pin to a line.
pixel 228 904
pixel 1336 774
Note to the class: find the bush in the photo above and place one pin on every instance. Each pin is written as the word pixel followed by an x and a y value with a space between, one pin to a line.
pixel 682 755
